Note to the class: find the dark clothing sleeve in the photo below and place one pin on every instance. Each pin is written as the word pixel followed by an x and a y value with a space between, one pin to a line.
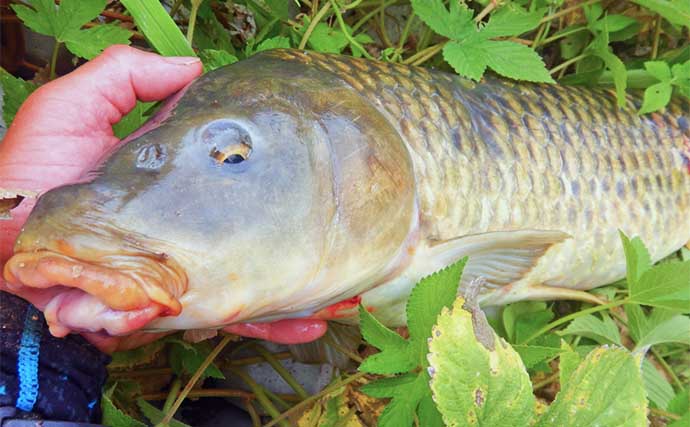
pixel 54 378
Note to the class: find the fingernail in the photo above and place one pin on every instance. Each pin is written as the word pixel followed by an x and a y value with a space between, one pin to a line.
pixel 181 60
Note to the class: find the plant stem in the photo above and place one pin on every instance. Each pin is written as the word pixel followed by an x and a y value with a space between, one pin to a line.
pixel 192 381
pixel 306 402
pixel 573 316
pixel 424 55
pixel 567 63
pixel 382 27
pixel 657 33
pixel 546 381
pixel 175 7
pixel 406 31
pixel 53 59
pixel 371 14
pixel 172 394
pixel 665 414
pixel 667 368
pixel 567 11
pixel 280 369
pixel 561 35
pixel 219 392
pixel 487 10
pixel 344 29
pixel 261 397
pixel 314 22
pixel 256 421
pixel 192 20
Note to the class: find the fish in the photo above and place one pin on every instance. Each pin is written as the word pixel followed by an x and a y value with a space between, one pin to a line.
pixel 296 184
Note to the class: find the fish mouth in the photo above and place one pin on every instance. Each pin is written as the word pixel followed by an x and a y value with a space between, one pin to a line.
pixel 115 294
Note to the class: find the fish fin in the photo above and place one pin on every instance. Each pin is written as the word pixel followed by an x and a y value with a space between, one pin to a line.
pixel 332 348
pixel 502 258
pixel 687 245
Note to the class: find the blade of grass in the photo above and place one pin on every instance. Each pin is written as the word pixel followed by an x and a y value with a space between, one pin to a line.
pixel 158 27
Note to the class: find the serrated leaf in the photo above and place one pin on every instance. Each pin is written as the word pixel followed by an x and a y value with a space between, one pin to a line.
pixel 213 59
pixel 467 61
pixel 428 412
pixel 674 330
pixel 603 331
pixel 656 97
pixel 273 43
pixel 612 23
pixel 637 259
pixel 511 20
pixel 659 391
pixel 186 359
pixel 14 92
pixel 542 349
pixel 515 61
pixel 676 12
pixel 327 39
pixel 428 298
pixel 58 21
pixel 114 417
pixel 136 357
pixel 406 398
pixel 600 48
pixel 605 390
pixel 665 285
pixel 524 318
pixel 454 22
pixel 378 335
pixel 91 42
pixel 159 28
pixel 475 383
pixel 392 361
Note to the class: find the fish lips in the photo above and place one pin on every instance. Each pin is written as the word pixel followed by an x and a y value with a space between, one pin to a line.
pixel 116 295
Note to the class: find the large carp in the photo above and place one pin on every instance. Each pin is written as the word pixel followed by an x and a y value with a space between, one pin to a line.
pixel 297 184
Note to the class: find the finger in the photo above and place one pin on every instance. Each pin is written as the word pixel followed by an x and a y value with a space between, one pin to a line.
pixel 289 331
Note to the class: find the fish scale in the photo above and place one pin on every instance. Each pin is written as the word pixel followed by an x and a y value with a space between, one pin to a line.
pixel 502 156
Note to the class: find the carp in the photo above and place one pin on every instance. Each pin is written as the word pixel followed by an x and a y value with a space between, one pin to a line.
pixel 296 184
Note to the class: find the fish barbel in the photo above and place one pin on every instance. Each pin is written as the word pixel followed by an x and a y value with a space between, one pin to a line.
pixel 298 184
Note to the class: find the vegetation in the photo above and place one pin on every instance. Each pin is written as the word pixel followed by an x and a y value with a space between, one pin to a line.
pixel 620 363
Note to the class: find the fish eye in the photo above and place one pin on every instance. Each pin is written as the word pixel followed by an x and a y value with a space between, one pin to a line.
pixel 230 142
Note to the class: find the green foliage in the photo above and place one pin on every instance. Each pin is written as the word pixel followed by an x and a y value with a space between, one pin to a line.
pixel 476 381
pixel 605 390
pixel 658 95
pixel 186 358
pixel 64 22
pixel 113 416
pixel 410 390
pixel 14 91
pixel 471 48
pixel 603 331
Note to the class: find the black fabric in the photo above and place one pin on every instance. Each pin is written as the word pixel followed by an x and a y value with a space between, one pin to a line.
pixel 71 371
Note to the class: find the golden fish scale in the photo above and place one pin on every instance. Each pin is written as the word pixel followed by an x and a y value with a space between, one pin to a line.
pixel 500 156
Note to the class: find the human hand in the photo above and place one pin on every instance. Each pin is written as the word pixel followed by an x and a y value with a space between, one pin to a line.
pixel 64 129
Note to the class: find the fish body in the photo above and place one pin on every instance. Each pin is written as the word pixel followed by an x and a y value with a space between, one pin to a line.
pixel 298 184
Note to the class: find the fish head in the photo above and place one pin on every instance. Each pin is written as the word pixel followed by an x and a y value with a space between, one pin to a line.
pixel 270 191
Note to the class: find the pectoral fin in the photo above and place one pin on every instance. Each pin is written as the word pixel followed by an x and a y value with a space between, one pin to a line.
pixel 501 258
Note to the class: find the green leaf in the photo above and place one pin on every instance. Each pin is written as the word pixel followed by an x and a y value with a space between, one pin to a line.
pixel 603 331
pixel 674 330
pixel 58 21
pixel 428 412
pixel 637 321
pixel 658 69
pixel 659 391
pixel 515 61
pixel 454 23
pixel 159 28
pixel 378 335
pixel 476 381
pixel 14 92
pixel 132 120
pixel 91 42
pixel 406 397
pixel 511 21
pixel 186 358
pixel 273 43
pixel 612 23
pixel 466 60
pixel 680 404
pixel 656 97
pixel 155 415
pixel 543 348
pixel 605 390
pixel 327 39
pixel 395 354
pixel 676 12
pixel 637 259
pixel 114 417
pixel 388 387
pixel 567 363
pixel 213 59
pixel 522 319
pixel 665 285
pixel 428 298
